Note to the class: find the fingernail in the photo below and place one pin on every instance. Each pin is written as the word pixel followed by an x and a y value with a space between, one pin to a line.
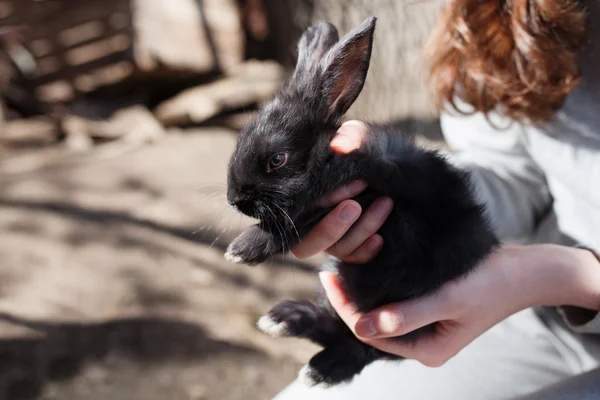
pixel 343 141
pixel 349 213
pixel 323 276
pixel 347 139
pixel 388 203
pixel 353 122
pixel 366 327
pixel 390 321
pixel 375 242
pixel 386 322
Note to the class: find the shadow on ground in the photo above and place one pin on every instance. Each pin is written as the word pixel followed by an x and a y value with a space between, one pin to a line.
pixel 57 351
pixel 207 236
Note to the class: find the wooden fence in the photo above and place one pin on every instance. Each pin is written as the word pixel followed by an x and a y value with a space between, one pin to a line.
pixel 62 48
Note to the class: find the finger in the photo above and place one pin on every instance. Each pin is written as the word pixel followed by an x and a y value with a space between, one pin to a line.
pixel 329 230
pixel 349 137
pixel 368 224
pixel 343 193
pixel 344 307
pixel 401 318
pixel 431 350
pixel 366 252
pixel 338 299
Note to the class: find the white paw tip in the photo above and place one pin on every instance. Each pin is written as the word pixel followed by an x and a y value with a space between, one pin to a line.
pixel 233 258
pixel 306 376
pixel 272 328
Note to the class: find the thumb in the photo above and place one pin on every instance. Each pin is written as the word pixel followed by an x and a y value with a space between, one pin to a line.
pixel 401 318
pixel 349 137
pixel 338 298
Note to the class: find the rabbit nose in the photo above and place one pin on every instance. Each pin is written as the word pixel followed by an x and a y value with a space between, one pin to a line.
pixel 243 199
pixel 241 202
pixel 244 205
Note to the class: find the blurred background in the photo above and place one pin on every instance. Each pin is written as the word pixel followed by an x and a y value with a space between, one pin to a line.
pixel 117 119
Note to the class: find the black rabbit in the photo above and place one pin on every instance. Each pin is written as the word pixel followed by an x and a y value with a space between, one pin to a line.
pixel 282 165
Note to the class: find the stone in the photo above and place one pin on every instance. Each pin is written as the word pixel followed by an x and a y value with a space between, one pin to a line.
pixel 34 131
pixel 132 124
pixel 251 83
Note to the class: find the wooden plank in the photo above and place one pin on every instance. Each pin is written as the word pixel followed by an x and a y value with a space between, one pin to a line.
pixel 47 17
pixel 58 50
pixel 69 72
pixel 62 23
pixel 49 21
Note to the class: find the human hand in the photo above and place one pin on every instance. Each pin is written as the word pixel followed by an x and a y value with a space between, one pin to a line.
pixel 511 279
pixel 346 232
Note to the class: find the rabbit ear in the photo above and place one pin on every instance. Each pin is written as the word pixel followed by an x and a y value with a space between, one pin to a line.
pixel 345 68
pixel 313 45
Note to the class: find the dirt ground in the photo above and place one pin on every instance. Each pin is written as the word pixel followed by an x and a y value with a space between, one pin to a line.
pixel 113 283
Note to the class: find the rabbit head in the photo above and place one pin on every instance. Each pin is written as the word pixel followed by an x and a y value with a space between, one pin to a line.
pixel 279 161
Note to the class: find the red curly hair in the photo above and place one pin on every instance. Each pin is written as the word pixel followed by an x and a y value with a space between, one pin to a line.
pixel 517 57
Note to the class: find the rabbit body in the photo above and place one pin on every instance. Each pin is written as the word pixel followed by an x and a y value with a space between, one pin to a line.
pixel 282 165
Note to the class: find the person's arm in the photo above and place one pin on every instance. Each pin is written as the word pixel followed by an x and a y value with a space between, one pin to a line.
pixel 513 278
pixel 583 320
pixel 510 184
pixel 504 176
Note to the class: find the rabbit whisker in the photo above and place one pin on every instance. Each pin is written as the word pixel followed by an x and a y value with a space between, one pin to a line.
pixel 286 215
pixel 280 230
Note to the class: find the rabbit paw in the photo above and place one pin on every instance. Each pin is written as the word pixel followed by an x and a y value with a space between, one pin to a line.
pixel 233 254
pixel 309 376
pixel 290 318
pixel 241 251
pixel 333 366
pixel 252 247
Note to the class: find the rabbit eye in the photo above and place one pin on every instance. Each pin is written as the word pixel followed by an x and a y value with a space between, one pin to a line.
pixel 277 160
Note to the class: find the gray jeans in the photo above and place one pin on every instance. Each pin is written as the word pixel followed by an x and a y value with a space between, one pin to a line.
pixel 526 353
